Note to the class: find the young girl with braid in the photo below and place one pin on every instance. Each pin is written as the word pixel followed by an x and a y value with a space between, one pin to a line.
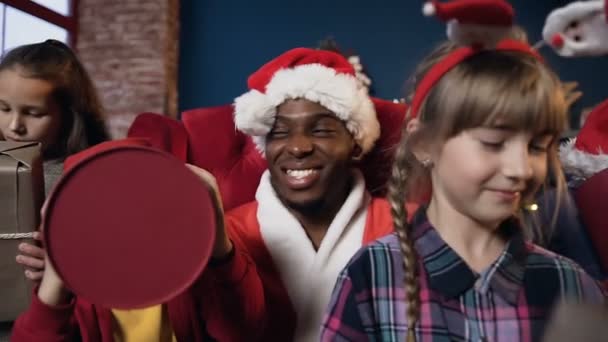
pixel 483 135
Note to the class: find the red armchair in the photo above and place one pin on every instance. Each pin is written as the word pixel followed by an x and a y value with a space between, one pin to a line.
pixel 207 138
pixel 592 202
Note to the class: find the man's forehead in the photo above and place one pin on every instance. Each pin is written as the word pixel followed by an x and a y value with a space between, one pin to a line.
pixel 307 116
pixel 301 104
pixel 303 110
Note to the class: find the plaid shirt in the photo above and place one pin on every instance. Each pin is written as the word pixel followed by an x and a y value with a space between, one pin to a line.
pixel 510 301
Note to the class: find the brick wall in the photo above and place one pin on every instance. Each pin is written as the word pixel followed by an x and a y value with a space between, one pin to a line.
pixel 130 49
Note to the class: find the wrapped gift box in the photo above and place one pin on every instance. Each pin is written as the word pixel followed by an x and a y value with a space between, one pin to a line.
pixel 21 195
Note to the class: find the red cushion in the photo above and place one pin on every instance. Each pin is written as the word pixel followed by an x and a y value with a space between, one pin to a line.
pixel 162 132
pixel 215 145
pixel 376 165
pixel 228 154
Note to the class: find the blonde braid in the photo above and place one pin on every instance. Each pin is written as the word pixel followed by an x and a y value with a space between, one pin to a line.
pixel 397 197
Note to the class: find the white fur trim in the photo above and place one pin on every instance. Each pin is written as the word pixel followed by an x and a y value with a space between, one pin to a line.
pixel 581 164
pixel 468 34
pixel 309 276
pixel 429 9
pixel 254 112
pixel 592 25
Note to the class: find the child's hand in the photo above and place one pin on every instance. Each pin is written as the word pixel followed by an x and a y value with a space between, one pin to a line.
pixel 52 290
pixel 223 245
pixel 32 257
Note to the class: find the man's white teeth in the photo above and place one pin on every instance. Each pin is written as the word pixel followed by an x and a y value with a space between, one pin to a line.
pixel 300 173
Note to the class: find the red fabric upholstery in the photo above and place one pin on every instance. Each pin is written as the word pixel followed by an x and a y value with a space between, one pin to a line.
pixel 376 165
pixel 228 154
pixel 162 132
pixel 592 202
pixel 211 141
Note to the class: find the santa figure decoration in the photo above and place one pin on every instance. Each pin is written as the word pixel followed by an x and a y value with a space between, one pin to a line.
pixel 578 29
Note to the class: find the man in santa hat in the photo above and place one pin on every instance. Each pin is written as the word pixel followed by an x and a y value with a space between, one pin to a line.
pixel 313 124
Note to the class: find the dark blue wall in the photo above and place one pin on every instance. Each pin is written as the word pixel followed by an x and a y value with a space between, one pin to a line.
pixel 223 41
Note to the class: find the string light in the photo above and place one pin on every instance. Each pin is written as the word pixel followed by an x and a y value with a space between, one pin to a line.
pixel 532 207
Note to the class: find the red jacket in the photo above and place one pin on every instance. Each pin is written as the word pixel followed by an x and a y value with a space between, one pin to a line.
pixel 216 303
pixel 234 301
pixel 244 229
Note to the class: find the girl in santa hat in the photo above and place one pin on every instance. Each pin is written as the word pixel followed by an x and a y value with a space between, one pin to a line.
pixel 483 134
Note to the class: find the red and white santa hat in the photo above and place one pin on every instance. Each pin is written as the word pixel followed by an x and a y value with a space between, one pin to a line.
pixel 587 154
pixel 473 22
pixel 320 76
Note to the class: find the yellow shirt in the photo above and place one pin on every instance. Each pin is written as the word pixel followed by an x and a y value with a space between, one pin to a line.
pixel 143 325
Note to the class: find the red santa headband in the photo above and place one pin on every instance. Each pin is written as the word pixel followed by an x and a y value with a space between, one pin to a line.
pixel 320 76
pixel 484 13
pixel 587 154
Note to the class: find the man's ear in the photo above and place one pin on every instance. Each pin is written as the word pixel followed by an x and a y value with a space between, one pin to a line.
pixel 357 153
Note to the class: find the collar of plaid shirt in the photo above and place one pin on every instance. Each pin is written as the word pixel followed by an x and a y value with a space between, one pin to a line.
pixel 449 274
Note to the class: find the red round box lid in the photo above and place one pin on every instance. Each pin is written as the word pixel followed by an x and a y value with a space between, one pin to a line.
pixel 129 227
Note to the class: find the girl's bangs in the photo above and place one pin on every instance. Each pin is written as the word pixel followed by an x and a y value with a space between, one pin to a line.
pixel 521 97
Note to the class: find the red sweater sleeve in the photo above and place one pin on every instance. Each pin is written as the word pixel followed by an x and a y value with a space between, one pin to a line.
pixel 42 322
pixel 232 297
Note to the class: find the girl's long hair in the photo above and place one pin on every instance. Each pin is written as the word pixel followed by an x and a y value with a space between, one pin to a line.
pixel 510 88
pixel 81 110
